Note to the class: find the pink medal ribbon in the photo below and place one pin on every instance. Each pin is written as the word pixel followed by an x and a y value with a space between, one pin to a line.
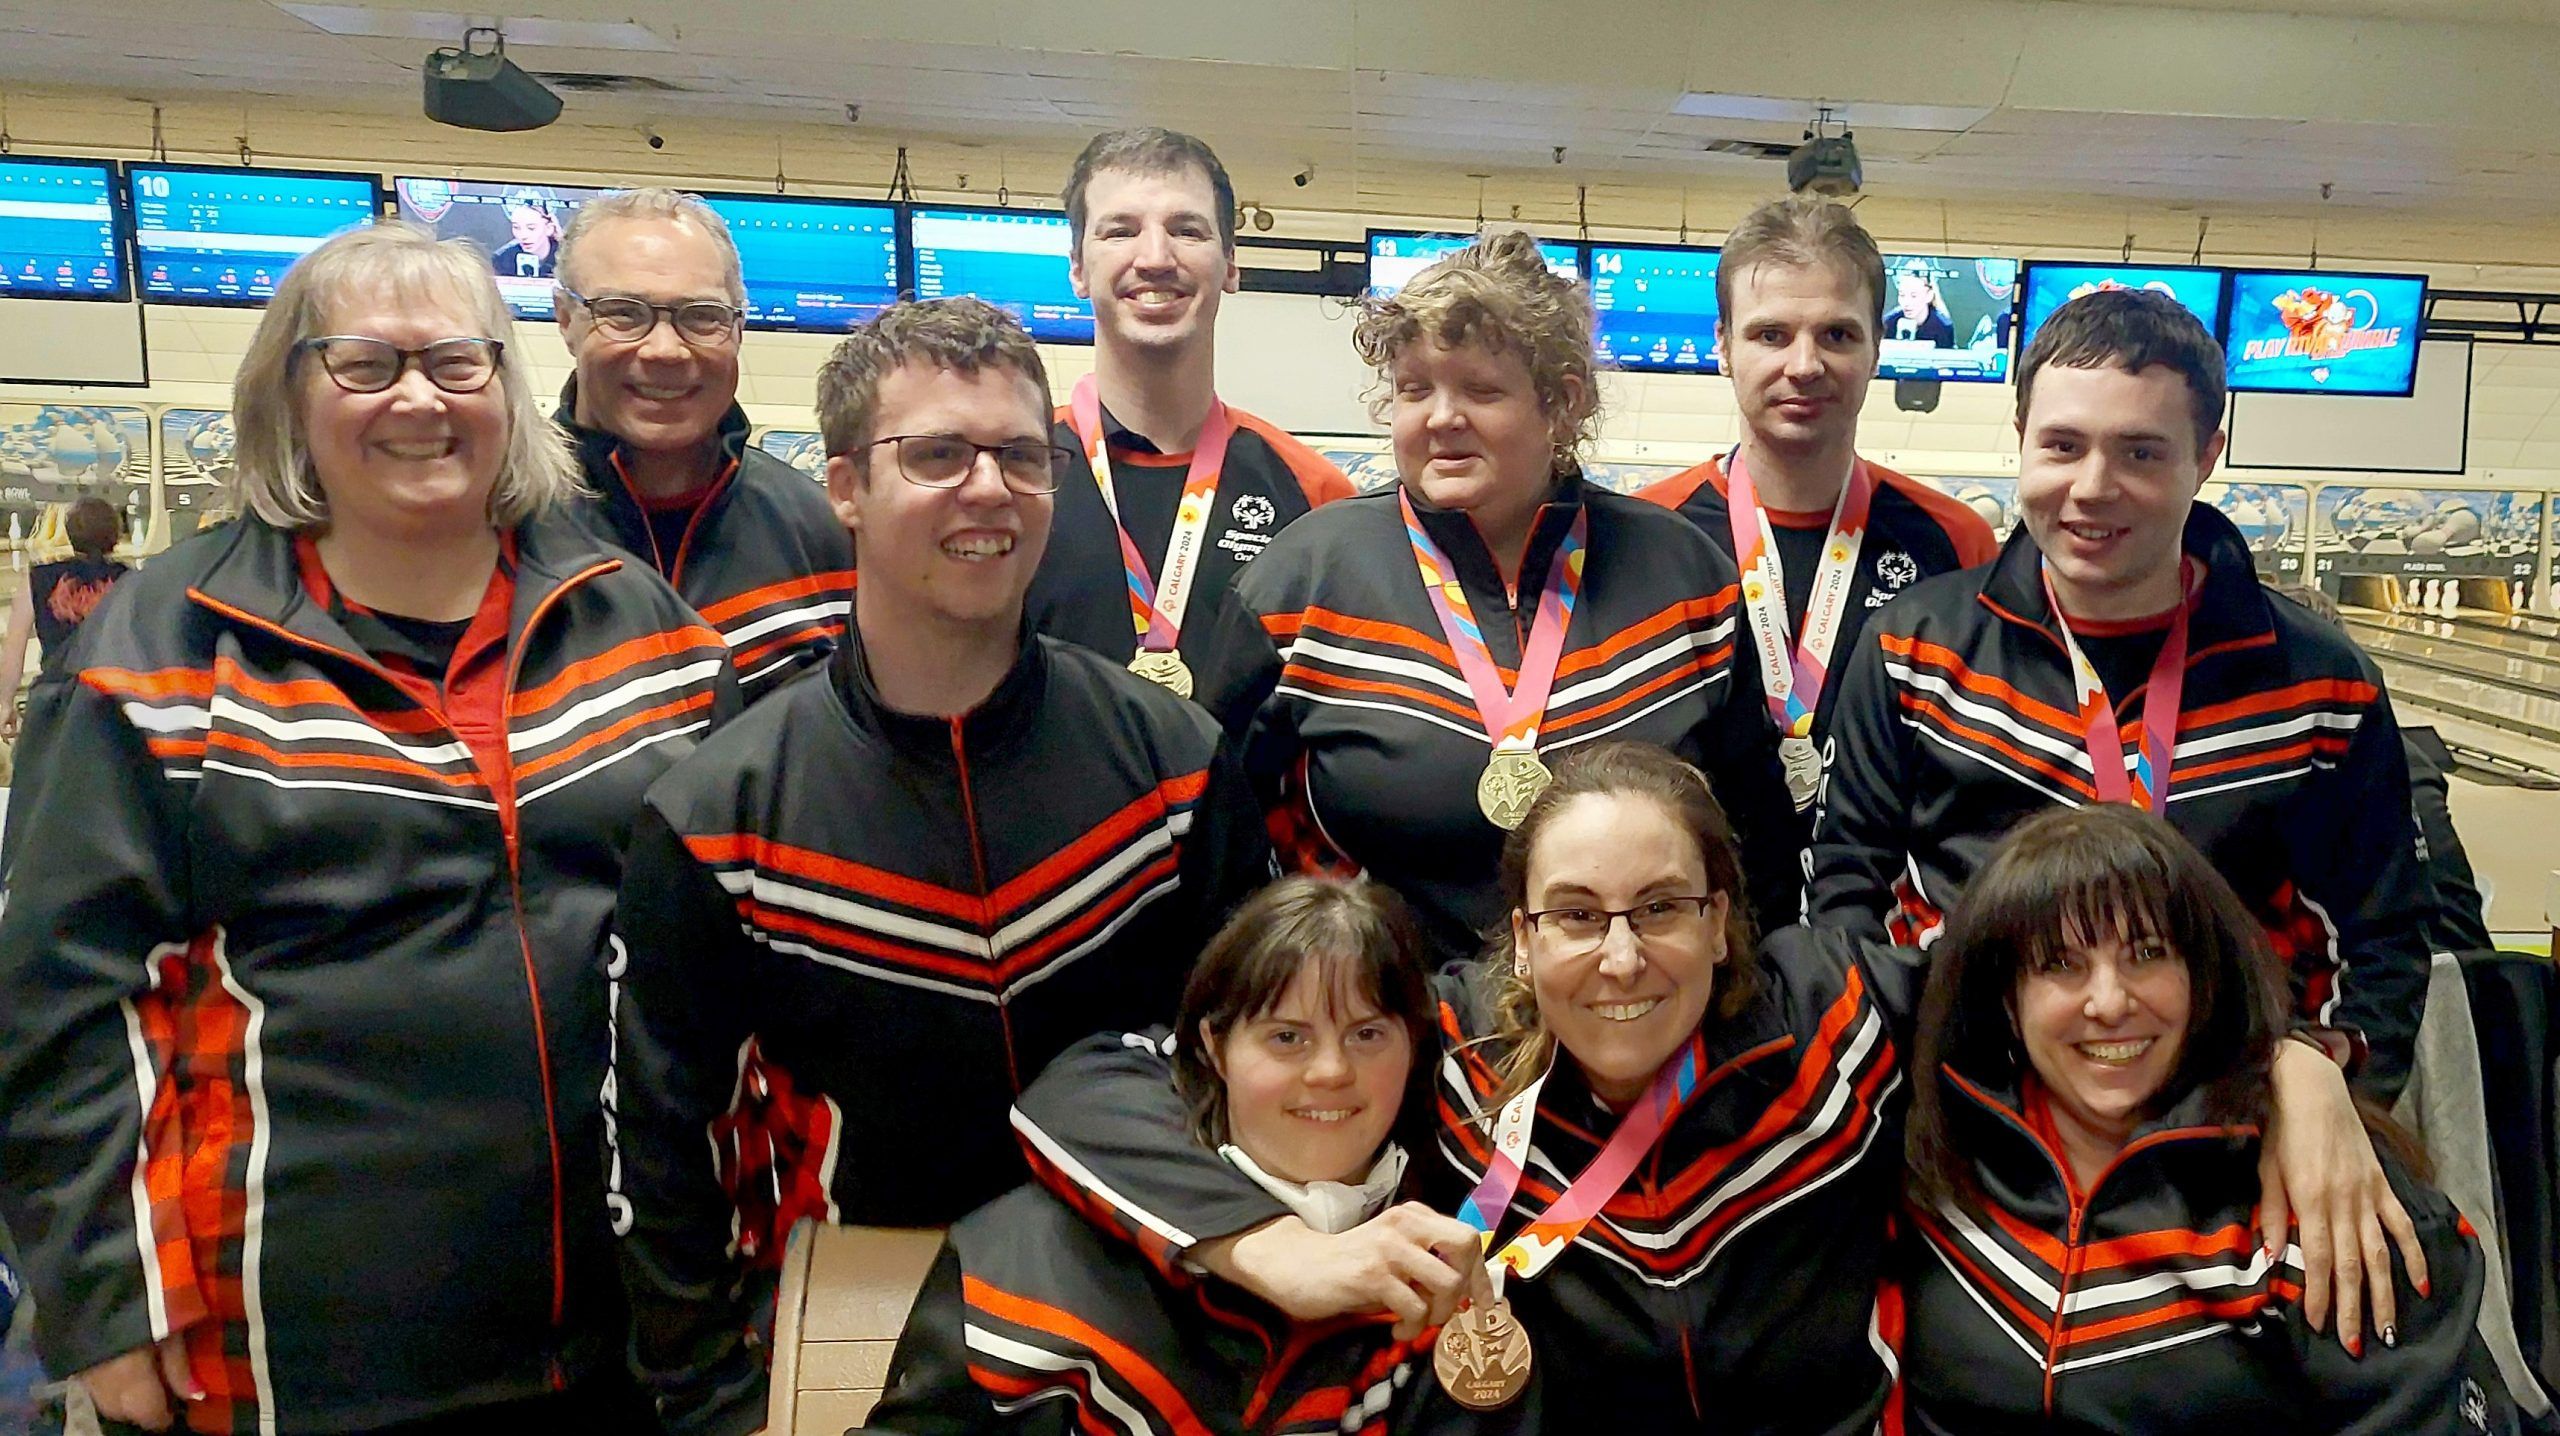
pixel 1157 598
pixel 1511 715
pixel 1792 675
pixel 2149 784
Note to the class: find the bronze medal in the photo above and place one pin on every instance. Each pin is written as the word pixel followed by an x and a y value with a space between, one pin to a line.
pixel 1482 1357
pixel 1164 667
pixel 1511 782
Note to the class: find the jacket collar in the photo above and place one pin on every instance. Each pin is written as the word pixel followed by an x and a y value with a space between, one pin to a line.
pixel 1989 1120
pixel 2231 608
pixel 1006 717
pixel 600 454
pixel 255 575
pixel 1458 538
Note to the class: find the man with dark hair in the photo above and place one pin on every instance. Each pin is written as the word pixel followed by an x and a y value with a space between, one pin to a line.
pixel 1822 537
pixel 850 933
pixel 1168 492
pixel 2120 649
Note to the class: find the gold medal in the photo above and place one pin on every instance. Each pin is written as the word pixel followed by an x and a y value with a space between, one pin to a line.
pixel 1482 1357
pixel 1163 666
pixel 1511 782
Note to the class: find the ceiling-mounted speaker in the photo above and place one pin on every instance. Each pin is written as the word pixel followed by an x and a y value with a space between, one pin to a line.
pixel 484 90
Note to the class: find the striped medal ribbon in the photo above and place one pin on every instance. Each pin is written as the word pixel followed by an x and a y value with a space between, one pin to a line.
pixel 1792 675
pixel 1158 598
pixel 2149 785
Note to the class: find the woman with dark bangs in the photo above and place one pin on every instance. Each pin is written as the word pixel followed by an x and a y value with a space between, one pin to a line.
pixel 1299 1052
pixel 2091 1076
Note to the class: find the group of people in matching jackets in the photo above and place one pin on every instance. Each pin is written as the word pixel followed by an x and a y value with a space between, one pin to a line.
pixel 477 902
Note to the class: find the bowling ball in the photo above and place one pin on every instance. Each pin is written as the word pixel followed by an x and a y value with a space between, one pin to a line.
pixel 209 445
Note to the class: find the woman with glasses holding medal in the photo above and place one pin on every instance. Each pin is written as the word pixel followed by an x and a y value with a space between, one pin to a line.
pixel 1301 1058
pixel 1673 1153
pixel 1427 653
pixel 303 984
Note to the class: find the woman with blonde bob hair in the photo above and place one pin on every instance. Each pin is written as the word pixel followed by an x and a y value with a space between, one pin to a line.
pixel 304 987
pixel 1427 652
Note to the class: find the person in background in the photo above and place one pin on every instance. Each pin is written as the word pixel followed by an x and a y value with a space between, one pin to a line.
pixel 650 303
pixel 2090 1079
pixel 1425 652
pixel 1302 1050
pixel 1170 492
pixel 1821 537
pixel 51 601
pixel 859 920
pixel 1919 312
pixel 302 1006
pixel 533 216
pixel 2455 923
pixel 2121 650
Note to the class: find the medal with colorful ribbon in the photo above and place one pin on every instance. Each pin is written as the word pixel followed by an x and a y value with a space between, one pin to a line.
pixel 1514 777
pixel 2157 746
pixel 1158 598
pixel 1483 1355
pixel 1792 675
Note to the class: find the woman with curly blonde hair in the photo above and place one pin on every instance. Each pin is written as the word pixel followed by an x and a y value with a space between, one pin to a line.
pixel 1428 651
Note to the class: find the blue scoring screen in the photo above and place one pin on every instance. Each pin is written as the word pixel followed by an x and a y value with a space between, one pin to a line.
pixel 817 265
pixel 1016 260
pixel 1397 255
pixel 58 230
pixel 1657 307
pixel 225 236
pixel 2316 332
pixel 2050 286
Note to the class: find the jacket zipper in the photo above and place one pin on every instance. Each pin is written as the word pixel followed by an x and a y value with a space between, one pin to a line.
pixel 978 858
pixel 515 886
pixel 674 572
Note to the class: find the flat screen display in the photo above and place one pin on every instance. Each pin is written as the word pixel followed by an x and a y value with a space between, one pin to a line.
pixel 209 234
pixel 2318 332
pixel 1397 255
pixel 2050 286
pixel 1015 259
pixel 60 236
pixel 819 266
pixel 1947 319
pixel 1657 307
pixel 517 224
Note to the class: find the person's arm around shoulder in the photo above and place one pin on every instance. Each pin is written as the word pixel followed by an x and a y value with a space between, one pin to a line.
pixel 2409 1378
pixel 929 1391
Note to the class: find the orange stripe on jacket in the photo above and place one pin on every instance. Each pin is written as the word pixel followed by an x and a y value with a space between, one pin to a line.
pixel 1124 1362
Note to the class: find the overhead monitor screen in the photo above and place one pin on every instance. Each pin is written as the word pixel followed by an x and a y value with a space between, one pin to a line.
pixel 1397 255
pixel 1015 259
pixel 2318 332
pixel 1657 307
pixel 2050 286
pixel 517 224
pixel 1947 318
pixel 821 266
pixel 59 236
pixel 208 234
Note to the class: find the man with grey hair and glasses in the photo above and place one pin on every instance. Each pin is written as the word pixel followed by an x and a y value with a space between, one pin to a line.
pixel 651 302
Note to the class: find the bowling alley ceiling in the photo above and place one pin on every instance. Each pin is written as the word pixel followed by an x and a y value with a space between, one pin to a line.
pixel 2018 123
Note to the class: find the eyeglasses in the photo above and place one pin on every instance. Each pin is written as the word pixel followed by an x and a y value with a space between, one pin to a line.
pixel 362 365
pixel 944 461
pixel 628 320
pixel 1580 929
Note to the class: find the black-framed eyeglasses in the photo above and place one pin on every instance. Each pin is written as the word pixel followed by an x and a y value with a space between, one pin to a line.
pixel 1580 929
pixel 360 364
pixel 944 461
pixel 626 319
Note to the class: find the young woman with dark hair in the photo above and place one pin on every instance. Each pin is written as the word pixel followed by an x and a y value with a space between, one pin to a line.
pixel 1298 1052
pixel 2090 1080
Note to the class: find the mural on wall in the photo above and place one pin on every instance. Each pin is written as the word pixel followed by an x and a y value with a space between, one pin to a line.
pixel 799 448
pixel 51 454
pixel 2422 534
pixel 195 462
pixel 2272 517
pixel 1996 500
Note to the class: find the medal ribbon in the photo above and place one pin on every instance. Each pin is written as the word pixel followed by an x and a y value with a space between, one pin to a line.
pixel 2149 785
pixel 1544 1239
pixel 1156 604
pixel 1511 715
pixel 1793 681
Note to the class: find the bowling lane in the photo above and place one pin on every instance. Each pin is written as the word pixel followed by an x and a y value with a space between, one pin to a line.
pixel 2485 636
pixel 2482 699
pixel 2461 657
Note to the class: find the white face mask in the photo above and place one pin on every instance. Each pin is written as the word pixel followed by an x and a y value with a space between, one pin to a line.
pixel 1329 1207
